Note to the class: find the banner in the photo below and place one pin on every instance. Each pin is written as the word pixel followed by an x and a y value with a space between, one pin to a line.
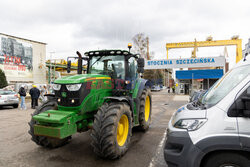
pixel 185 63
pixel 16 57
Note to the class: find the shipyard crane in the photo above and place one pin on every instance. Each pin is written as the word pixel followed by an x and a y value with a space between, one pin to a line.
pixel 208 43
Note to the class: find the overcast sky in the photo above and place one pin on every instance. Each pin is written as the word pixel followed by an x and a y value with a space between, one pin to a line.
pixel 67 26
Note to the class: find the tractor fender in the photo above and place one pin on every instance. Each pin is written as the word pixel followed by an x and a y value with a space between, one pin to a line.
pixel 143 84
pixel 121 99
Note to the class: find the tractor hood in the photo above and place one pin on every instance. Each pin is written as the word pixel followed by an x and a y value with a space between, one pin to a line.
pixel 80 78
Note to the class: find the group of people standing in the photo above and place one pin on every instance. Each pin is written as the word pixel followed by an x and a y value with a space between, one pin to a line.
pixel 35 93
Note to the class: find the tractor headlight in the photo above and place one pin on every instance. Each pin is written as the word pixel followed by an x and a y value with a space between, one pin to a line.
pixel 73 87
pixel 190 124
pixel 56 87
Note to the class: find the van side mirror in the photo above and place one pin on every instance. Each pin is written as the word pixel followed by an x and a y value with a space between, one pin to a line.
pixel 68 66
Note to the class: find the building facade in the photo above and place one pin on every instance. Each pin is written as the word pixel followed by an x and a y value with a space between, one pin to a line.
pixel 22 60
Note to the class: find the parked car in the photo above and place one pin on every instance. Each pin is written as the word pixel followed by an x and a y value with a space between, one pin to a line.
pixel 8 98
pixel 155 88
pixel 163 87
pixel 213 132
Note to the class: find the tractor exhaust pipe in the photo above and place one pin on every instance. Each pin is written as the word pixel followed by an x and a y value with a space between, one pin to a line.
pixel 79 69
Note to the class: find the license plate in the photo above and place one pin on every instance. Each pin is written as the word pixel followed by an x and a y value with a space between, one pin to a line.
pixel 8 101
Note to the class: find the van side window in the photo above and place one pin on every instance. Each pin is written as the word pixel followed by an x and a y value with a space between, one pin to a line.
pixel 241 106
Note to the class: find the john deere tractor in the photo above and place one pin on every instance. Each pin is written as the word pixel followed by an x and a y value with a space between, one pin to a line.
pixel 110 99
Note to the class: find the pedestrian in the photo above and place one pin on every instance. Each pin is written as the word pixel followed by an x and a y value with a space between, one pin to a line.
pixel 173 88
pixel 44 91
pixel 34 93
pixel 22 94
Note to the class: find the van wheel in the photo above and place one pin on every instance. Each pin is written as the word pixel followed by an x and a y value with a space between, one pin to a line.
pixel 226 159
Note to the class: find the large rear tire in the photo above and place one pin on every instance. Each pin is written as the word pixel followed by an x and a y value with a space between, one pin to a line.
pixel 145 109
pixel 112 130
pixel 42 140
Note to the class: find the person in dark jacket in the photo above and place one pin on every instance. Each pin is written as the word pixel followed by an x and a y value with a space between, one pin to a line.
pixel 22 94
pixel 34 93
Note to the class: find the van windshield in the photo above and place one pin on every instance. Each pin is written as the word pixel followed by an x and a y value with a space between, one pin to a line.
pixel 224 85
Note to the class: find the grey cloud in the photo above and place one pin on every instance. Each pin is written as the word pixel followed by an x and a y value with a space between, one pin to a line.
pixel 97 24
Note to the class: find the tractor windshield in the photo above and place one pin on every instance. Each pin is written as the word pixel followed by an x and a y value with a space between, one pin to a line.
pixel 108 65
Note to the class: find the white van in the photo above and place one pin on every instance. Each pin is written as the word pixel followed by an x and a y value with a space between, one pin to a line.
pixel 215 131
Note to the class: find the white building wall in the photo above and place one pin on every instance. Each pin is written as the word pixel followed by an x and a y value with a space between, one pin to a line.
pixel 39 58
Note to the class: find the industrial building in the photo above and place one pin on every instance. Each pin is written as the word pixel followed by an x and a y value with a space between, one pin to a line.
pixel 22 60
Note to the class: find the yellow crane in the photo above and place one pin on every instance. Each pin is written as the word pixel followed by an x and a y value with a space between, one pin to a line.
pixel 208 43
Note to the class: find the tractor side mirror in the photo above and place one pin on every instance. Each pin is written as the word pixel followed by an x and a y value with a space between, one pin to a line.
pixel 68 66
pixel 141 64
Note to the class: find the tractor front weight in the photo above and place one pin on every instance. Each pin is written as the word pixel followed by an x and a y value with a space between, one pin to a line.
pixel 59 124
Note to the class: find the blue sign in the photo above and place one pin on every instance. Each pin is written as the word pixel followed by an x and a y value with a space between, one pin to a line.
pixel 186 63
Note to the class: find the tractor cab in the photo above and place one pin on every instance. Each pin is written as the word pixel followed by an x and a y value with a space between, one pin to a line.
pixel 121 66
pixel 118 64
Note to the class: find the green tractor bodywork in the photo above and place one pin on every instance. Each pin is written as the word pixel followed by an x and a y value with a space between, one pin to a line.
pixel 80 97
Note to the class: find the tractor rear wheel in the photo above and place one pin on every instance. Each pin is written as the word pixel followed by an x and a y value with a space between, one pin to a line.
pixel 42 140
pixel 112 130
pixel 145 109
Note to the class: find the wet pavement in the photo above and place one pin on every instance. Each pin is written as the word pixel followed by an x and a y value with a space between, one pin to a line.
pixel 16 148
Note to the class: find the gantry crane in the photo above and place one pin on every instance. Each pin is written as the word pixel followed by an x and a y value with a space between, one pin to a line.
pixel 209 42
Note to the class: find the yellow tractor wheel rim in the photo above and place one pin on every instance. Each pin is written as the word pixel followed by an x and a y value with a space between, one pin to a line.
pixel 122 130
pixel 147 108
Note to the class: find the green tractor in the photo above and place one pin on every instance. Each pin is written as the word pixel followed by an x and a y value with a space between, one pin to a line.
pixel 110 99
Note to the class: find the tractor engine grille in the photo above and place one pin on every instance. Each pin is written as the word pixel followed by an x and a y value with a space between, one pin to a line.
pixel 71 98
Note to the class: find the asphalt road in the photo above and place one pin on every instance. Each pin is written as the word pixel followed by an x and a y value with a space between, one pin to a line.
pixel 16 148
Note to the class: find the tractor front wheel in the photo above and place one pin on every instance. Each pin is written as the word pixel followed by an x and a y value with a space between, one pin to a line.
pixel 145 109
pixel 42 140
pixel 112 130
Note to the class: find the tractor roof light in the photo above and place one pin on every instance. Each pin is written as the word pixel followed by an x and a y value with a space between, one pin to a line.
pixel 129 45
pixel 97 53
pixel 112 52
pixel 118 52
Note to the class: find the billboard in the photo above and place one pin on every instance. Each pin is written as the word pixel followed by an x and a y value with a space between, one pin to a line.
pixel 16 57
pixel 185 63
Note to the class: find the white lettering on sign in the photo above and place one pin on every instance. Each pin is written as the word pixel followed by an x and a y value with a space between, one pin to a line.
pixel 185 63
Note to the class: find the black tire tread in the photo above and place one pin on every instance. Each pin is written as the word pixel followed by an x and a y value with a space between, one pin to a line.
pixel 104 130
pixel 143 124
pixel 42 140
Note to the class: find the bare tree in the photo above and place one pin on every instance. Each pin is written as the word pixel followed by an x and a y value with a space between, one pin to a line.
pixel 155 76
pixel 140 42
